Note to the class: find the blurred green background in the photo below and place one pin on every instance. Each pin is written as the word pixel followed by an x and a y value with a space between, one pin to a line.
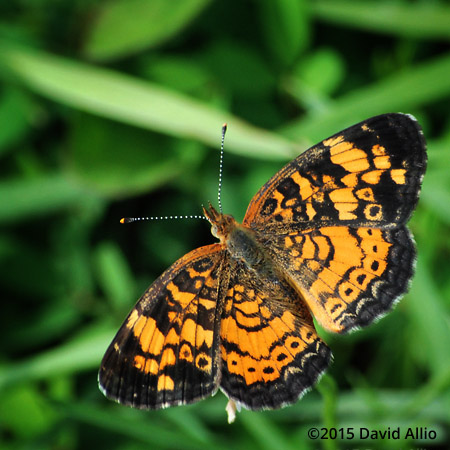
pixel 114 108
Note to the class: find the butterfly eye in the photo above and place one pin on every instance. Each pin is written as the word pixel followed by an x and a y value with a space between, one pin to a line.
pixel 214 231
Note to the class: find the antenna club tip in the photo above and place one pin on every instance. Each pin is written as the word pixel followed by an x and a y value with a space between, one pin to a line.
pixel 224 127
pixel 126 220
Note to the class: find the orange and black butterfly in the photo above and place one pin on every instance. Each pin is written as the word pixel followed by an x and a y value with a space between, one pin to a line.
pixel 326 237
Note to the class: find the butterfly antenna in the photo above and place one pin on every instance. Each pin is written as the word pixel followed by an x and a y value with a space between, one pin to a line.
pixel 219 191
pixel 219 197
pixel 141 219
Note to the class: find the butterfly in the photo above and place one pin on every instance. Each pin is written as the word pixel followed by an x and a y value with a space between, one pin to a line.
pixel 325 237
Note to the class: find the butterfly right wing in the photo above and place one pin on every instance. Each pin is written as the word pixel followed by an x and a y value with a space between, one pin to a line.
pixel 166 352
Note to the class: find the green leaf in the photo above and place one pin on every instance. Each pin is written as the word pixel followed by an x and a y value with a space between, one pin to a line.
pixel 38 196
pixel 322 71
pixel 132 101
pixel 286 25
pixel 115 159
pixel 436 184
pixel 401 92
pixel 436 193
pixel 179 73
pixel 314 78
pixel 267 435
pixel 114 275
pixel 81 353
pixel 328 388
pixel 39 417
pixel 17 111
pixel 419 19
pixel 430 321
pixel 148 427
pixel 124 27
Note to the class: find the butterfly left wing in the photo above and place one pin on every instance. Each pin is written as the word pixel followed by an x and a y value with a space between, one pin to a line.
pixel 166 352
pixel 271 353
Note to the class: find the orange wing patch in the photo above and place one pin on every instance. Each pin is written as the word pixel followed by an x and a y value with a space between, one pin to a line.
pixel 270 350
pixel 347 276
pixel 368 175
pixel 166 351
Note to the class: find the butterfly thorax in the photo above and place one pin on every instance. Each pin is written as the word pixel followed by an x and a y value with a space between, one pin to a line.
pixel 239 240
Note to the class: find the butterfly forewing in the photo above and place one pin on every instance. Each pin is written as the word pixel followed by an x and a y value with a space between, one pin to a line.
pixel 367 175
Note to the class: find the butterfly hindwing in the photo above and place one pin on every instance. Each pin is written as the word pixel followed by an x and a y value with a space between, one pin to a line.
pixel 270 350
pixel 347 276
pixel 367 175
pixel 166 352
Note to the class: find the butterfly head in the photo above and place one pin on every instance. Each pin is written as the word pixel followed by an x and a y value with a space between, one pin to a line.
pixel 221 224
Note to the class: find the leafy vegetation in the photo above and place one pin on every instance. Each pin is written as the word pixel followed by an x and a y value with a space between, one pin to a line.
pixel 114 108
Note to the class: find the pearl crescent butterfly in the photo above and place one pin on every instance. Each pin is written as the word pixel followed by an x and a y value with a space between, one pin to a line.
pixel 326 237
